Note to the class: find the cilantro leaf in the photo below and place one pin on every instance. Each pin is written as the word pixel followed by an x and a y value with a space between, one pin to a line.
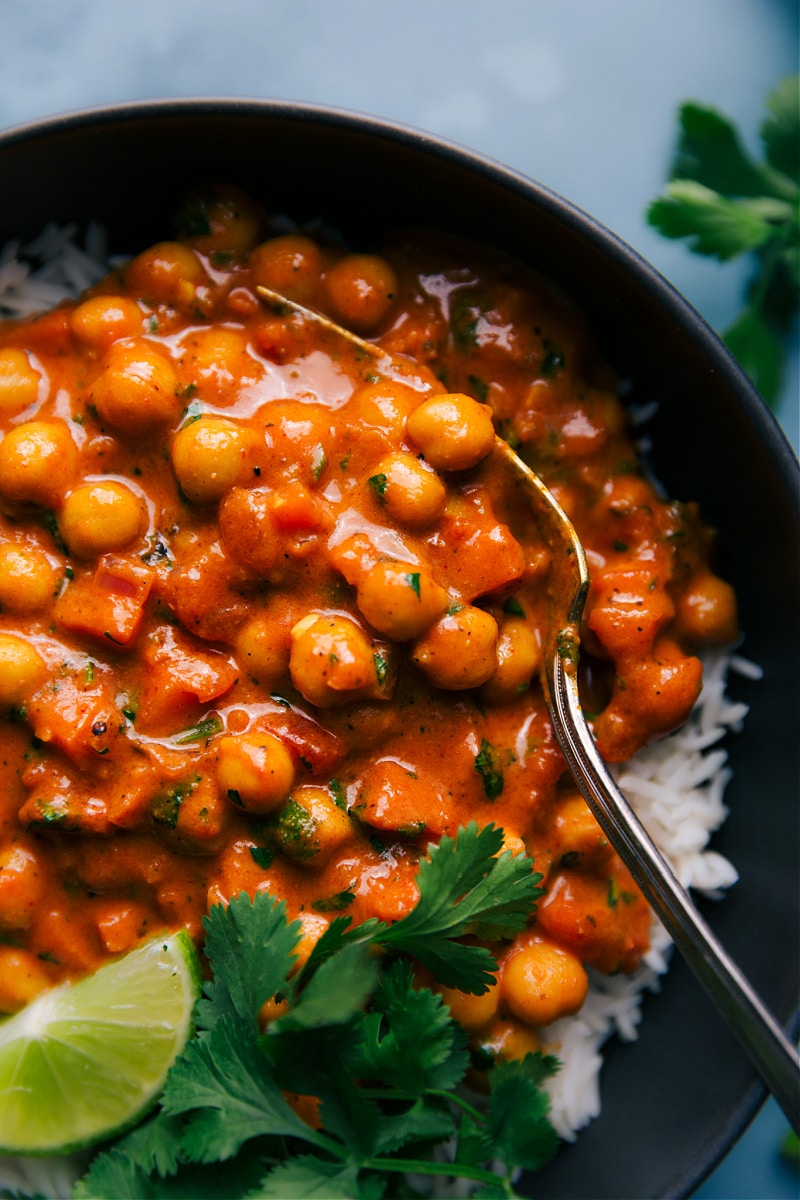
pixel 518 1125
pixel 231 1094
pixel 243 981
pixel 711 153
pixel 726 204
pixel 115 1174
pixel 757 348
pixel 308 1177
pixel 322 1002
pixel 715 226
pixel 488 766
pixel 462 886
pixel 410 1038
pixel 780 131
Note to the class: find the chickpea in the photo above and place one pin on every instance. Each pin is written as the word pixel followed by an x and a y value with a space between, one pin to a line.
pixel 400 600
pixel 166 274
pixel 542 982
pixel 28 580
pixel 332 660
pixel 137 388
pixel 453 431
pixel 100 515
pixel 263 650
pixel 361 288
pixel 290 265
pixel 312 928
pixel 221 218
pixel 509 1040
pixel 411 491
pixel 385 404
pixel 22 976
pixel 21 886
pixel 707 610
pixel 38 462
pixel 459 650
pixel 473 1012
pixel 101 320
pixel 248 530
pixel 22 670
pixel 255 770
pixel 519 657
pixel 312 827
pixel 220 360
pixel 210 456
pixel 19 382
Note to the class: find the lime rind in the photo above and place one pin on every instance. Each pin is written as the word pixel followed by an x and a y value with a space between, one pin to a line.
pixel 84 1061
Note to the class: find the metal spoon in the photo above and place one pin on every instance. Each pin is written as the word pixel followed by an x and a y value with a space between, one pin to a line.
pixel 773 1055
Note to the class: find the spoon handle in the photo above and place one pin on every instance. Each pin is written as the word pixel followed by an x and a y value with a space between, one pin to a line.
pixel 771 1052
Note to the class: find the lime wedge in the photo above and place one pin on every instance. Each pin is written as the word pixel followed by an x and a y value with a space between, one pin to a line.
pixel 84 1060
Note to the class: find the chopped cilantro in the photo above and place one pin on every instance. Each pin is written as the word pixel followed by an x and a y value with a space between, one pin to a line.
pixel 412 579
pixel 165 806
pixel 487 764
pixel 381 667
pixel 339 794
pixel 513 607
pixel 261 856
pixel 201 731
pixel 378 484
pixel 335 903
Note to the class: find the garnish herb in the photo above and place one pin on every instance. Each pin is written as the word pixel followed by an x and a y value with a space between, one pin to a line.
pixel 412 580
pixel 201 731
pixel 488 766
pixel 727 204
pixel 378 484
pixel 381 666
pixel 383 1057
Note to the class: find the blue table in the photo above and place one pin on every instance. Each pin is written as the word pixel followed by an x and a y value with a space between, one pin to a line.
pixel 579 94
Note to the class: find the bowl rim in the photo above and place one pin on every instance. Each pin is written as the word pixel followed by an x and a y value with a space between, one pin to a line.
pixel 578 222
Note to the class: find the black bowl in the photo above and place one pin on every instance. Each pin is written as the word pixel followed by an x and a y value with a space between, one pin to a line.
pixel 674 1101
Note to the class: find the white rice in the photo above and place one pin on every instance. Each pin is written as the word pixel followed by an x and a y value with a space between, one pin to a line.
pixel 676 785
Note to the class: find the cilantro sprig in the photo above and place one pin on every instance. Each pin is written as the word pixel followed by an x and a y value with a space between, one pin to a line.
pixel 381 1056
pixel 726 205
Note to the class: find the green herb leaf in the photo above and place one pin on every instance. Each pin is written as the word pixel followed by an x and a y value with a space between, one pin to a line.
pixel 715 226
pixel 759 351
pixel 230 1091
pixel 780 131
pixel 412 579
pixel 726 204
pixel 309 1177
pixel 242 983
pixel 201 731
pixel 488 766
pixel 381 667
pixel 378 484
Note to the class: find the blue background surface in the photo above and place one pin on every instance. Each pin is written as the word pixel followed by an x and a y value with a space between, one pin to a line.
pixel 579 94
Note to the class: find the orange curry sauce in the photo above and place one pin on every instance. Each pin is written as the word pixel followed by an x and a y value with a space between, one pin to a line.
pixel 264 624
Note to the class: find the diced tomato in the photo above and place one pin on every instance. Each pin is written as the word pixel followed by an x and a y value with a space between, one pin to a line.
pixel 110 605
pixel 180 674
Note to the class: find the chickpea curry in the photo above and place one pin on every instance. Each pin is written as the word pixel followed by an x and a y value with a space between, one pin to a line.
pixel 267 623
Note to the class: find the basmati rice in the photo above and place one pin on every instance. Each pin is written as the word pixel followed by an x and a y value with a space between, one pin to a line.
pixel 676 785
